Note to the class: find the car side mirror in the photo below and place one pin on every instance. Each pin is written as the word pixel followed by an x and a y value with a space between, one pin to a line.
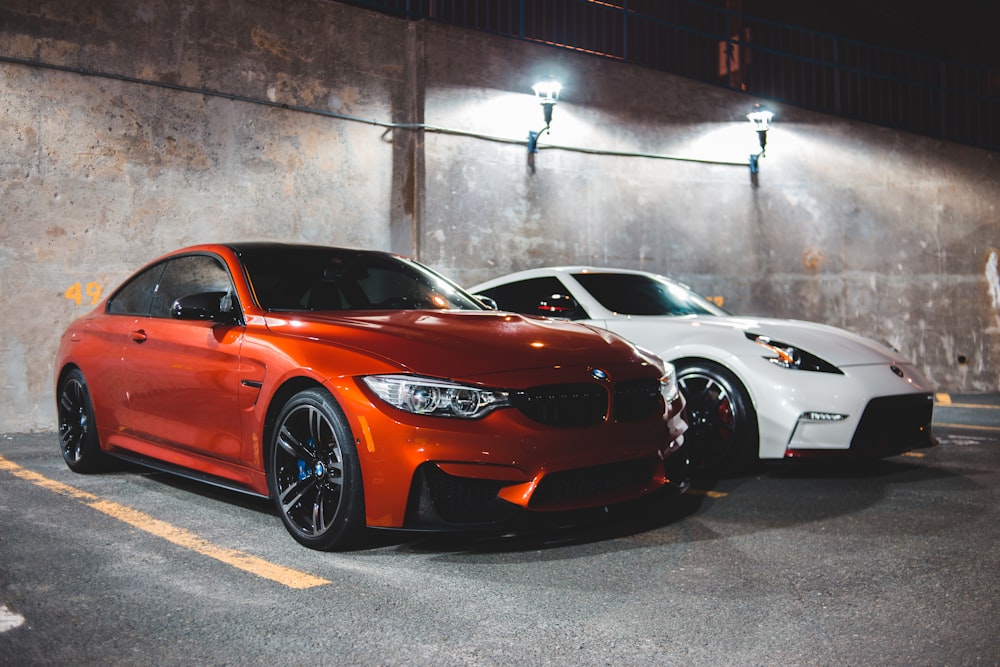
pixel 561 306
pixel 487 301
pixel 212 306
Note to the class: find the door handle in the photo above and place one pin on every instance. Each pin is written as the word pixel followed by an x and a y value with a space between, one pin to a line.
pixel 139 336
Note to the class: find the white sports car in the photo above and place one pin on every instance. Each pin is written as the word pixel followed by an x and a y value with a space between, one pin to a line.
pixel 756 388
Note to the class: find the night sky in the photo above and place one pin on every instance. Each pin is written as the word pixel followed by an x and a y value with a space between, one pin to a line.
pixel 963 30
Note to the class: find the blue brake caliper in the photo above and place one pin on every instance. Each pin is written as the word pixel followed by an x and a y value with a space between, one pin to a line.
pixel 303 470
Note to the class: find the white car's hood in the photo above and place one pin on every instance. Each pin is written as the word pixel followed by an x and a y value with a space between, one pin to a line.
pixel 838 346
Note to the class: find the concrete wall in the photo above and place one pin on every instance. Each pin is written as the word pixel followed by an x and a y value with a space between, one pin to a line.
pixel 888 234
pixel 891 235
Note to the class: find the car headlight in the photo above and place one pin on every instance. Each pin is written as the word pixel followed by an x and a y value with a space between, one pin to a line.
pixel 789 356
pixel 438 398
pixel 668 383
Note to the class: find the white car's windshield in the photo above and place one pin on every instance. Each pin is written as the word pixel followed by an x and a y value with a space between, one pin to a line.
pixel 635 294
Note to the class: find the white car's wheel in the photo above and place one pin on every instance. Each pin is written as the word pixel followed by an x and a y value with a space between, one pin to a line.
pixel 722 434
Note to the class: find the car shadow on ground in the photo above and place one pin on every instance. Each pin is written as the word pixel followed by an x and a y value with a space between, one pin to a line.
pixel 196 487
pixel 760 498
pixel 535 532
pixel 548 532
pixel 714 507
pixel 783 496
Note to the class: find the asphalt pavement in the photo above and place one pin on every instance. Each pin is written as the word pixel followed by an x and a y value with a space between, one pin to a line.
pixel 892 563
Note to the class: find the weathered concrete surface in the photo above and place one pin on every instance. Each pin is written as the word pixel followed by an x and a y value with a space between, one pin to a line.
pixel 98 175
pixel 891 235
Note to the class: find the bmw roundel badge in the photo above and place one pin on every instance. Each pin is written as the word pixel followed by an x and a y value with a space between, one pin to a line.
pixel 599 374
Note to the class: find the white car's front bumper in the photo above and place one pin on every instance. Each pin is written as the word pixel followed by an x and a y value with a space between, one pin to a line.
pixel 869 411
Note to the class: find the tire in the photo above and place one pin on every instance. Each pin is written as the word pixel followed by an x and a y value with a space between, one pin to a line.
pixel 722 436
pixel 314 474
pixel 78 440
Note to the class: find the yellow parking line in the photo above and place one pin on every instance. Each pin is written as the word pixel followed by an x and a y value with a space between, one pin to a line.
pixel 707 492
pixel 973 406
pixel 944 401
pixel 974 427
pixel 184 538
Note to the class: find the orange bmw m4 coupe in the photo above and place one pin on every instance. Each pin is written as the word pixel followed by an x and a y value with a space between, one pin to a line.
pixel 359 389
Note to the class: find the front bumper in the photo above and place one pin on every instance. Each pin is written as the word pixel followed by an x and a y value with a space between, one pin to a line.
pixel 888 426
pixel 446 496
pixel 423 472
pixel 871 411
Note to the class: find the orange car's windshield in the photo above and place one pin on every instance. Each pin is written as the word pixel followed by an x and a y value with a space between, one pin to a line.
pixel 323 279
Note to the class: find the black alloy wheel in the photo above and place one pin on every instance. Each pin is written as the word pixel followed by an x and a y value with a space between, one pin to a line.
pixel 77 426
pixel 722 436
pixel 314 473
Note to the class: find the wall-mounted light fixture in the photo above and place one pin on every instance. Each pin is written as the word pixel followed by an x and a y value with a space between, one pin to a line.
pixel 760 118
pixel 547 94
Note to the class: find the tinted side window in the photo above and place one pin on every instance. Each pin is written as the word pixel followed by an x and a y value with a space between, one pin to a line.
pixel 134 297
pixel 545 296
pixel 184 276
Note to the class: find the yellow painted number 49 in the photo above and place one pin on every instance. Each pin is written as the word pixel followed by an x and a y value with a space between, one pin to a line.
pixel 76 292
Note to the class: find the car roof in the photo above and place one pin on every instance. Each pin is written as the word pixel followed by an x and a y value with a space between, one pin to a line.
pixel 239 247
pixel 280 245
pixel 569 269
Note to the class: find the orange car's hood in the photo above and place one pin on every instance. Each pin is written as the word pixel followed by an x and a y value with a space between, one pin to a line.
pixel 462 344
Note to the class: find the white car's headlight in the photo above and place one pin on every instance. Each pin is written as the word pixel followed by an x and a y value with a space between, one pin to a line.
pixel 438 398
pixel 668 383
pixel 789 356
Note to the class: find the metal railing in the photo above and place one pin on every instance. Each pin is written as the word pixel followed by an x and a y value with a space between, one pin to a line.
pixel 943 99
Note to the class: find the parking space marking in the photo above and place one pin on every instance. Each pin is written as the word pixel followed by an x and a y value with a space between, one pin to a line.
pixel 707 493
pixel 944 401
pixel 179 536
pixel 9 620
pixel 974 427
pixel 969 406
